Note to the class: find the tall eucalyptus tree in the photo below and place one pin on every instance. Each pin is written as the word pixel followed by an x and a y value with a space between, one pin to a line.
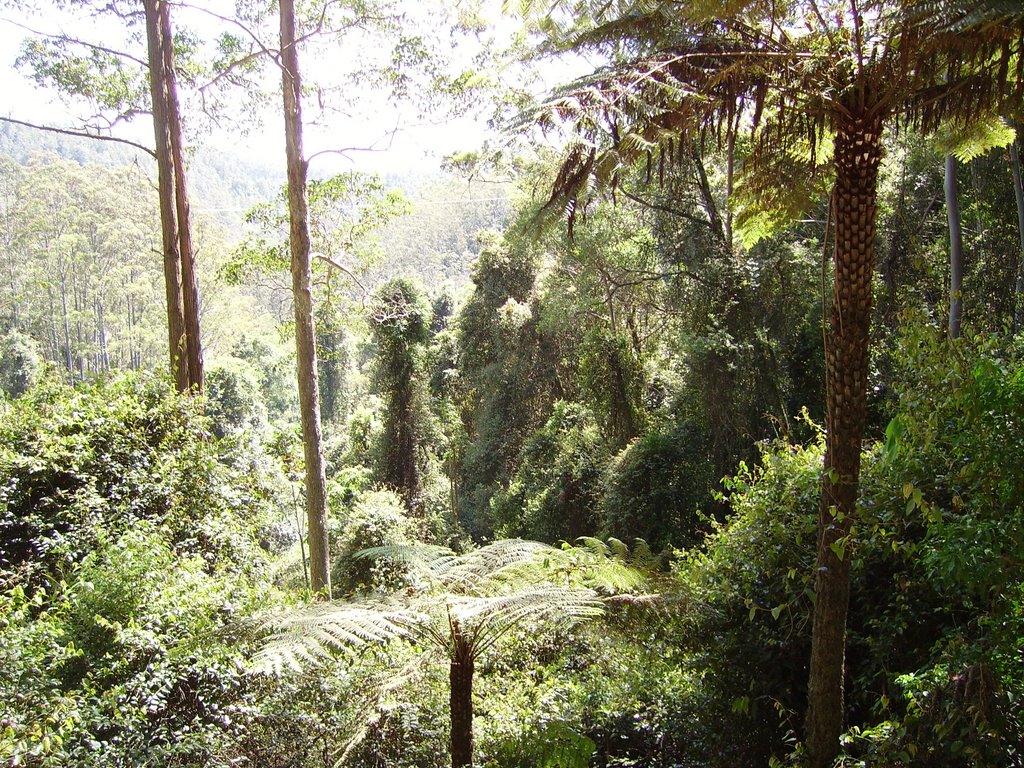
pixel 302 295
pixel 119 85
pixel 804 77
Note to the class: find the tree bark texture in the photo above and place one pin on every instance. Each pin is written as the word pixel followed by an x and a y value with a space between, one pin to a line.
pixel 165 193
pixel 189 285
pixel 460 680
pixel 1018 193
pixel 956 247
pixel 302 291
pixel 857 154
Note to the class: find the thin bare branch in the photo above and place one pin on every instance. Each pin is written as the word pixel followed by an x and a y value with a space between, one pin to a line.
pixel 80 134
pixel 75 41
pixel 342 268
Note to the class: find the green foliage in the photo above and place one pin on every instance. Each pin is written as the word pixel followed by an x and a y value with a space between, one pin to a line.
pixel 234 398
pixel 21 363
pixel 346 213
pixel 556 489
pixel 377 519
pixel 83 463
pixel 138 653
pixel 612 377
pixel 746 596
pixel 506 380
pixel 400 325
pixel 657 486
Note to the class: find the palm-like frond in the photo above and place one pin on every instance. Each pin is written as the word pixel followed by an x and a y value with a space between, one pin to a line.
pixel 472 599
pixel 311 633
pixel 484 620
pixel 468 572
pixel 680 72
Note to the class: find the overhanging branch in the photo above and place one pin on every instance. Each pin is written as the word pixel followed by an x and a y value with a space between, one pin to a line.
pixel 80 134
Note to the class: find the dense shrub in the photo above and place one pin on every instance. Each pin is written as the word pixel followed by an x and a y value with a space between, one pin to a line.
pixel 555 492
pixel 377 519
pixel 234 397
pixel 656 488
pixel 78 463
pixel 136 660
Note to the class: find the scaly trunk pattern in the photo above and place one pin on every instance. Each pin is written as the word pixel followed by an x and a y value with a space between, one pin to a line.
pixel 302 292
pixel 189 286
pixel 165 193
pixel 857 154
pixel 460 681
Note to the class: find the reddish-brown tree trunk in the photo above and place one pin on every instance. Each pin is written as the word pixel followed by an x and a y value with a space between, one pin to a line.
pixel 302 292
pixel 165 194
pixel 857 153
pixel 189 284
pixel 460 679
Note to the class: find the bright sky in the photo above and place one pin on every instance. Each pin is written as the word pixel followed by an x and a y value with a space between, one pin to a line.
pixel 419 144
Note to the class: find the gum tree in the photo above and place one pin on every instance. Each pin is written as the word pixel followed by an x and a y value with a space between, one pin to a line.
pixel 141 78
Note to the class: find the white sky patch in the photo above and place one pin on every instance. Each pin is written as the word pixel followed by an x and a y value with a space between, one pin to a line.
pixel 381 134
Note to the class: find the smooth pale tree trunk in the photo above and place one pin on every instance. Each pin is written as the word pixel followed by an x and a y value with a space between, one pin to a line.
pixel 189 285
pixel 165 194
pixel 858 151
pixel 460 679
pixel 956 248
pixel 1018 192
pixel 302 291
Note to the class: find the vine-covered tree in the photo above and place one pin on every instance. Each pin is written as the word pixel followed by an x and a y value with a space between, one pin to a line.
pixel 795 74
pixel 400 326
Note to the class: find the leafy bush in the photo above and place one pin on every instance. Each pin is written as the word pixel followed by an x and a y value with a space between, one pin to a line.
pixel 234 397
pixel 78 463
pixel 377 519
pixel 136 660
pixel 656 488
pixel 555 492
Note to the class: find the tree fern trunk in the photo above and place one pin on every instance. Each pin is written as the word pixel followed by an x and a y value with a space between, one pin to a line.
pixel 1018 194
pixel 857 155
pixel 461 702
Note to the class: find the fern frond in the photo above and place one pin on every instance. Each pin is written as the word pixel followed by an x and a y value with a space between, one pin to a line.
pixel 559 607
pixel 308 635
pixel 496 561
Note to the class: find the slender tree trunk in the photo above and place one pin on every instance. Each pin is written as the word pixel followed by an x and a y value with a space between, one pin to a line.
pixel 460 680
pixel 189 286
pixel 1018 192
pixel 302 290
pixel 165 193
pixel 857 154
pixel 956 248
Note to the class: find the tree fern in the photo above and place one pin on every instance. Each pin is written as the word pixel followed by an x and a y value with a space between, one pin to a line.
pixel 464 604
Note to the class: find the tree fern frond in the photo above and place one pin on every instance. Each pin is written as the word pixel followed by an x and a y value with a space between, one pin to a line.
pixel 312 633
pixel 594 545
pixel 428 561
pixel 492 560
pixel 559 607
